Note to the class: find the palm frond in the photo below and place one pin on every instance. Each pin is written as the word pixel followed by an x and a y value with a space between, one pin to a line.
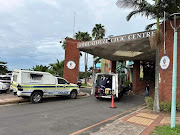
pixel 148 27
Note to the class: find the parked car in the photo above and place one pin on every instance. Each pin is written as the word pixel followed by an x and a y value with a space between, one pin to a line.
pixel 79 83
pixel 5 81
pixel 35 85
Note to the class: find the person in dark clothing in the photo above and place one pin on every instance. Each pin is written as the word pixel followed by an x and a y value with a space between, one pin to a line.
pixel 103 85
pixel 108 82
pixel 130 87
pixel 147 88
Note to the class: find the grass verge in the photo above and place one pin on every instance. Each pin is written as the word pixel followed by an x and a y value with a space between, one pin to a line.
pixel 85 85
pixel 166 130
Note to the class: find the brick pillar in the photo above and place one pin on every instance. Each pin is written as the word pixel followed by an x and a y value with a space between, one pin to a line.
pixel 113 67
pixel 165 85
pixel 136 75
pixel 71 54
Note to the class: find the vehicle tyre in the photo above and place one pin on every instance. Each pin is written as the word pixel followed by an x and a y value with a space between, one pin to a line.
pixel 36 97
pixel 97 98
pixel 119 96
pixel 73 94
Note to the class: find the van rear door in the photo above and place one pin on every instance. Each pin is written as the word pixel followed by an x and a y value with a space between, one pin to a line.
pixel 115 84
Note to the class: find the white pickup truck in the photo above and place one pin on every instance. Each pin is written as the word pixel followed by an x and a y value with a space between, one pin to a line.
pixel 35 85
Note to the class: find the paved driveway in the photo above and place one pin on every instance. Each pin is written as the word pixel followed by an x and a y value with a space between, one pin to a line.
pixel 60 117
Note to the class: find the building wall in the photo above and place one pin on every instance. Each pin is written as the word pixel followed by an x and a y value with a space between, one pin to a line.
pixel 138 84
pixel 165 85
pixel 71 54
pixel 108 66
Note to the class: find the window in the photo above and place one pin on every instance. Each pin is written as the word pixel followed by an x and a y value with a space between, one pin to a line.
pixel 62 81
pixel 15 78
pixel 36 76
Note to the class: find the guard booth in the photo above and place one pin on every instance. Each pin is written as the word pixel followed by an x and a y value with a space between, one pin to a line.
pixel 134 47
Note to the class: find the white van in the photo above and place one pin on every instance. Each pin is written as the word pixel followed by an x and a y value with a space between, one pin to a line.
pixel 112 87
pixel 35 85
pixel 5 81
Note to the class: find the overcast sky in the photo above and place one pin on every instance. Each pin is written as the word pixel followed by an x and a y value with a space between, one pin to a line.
pixel 30 30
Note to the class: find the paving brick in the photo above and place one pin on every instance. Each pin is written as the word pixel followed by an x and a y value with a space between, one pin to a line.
pixel 147 115
pixel 140 120
pixel 167 120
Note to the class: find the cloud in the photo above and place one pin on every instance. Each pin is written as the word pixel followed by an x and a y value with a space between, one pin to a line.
pixel 31 29
pixel 10 5
pixel 53 3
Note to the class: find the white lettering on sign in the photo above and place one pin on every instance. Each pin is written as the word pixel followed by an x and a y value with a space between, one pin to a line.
pixel 128 37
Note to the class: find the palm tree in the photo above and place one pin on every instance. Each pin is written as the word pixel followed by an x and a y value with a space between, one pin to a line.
pixel 57 68
pixel 3 67
pixel 98 31
pixel 84 36
pixel 41 68
pixel 64 43
pixel 155 10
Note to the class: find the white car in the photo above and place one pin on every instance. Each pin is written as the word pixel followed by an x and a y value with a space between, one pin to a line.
pixel 5 81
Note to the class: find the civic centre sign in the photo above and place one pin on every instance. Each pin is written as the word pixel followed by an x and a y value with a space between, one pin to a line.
pixel 117 39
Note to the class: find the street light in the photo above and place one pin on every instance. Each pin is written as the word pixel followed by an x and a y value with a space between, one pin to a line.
pixel 173 18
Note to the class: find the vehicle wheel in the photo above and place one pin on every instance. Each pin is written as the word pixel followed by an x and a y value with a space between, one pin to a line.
pixel 97 98
pixel 73 94
pixel 119 96
pixel 36 97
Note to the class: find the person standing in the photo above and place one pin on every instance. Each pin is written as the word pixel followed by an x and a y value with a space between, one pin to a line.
pixel 147 88
pixel 130 86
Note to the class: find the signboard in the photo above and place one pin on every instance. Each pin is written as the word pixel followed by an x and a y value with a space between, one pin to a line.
pixel 117 39
pixel 164 62
pixel 71 64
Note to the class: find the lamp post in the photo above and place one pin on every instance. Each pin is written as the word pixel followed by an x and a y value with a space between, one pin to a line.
pixel 174 17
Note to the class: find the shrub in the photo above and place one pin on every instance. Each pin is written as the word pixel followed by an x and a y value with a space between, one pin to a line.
pixel 165 106
pixel 178 106
pixel 127 83
pixel 149 101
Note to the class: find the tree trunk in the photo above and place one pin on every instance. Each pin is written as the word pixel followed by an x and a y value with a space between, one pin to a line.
pixel 93 77
pixel 156 94
pixel 85 68
pixel 156 107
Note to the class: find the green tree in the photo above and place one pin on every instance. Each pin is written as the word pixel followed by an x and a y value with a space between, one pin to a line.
pixel 57 68
pixel 84 36
pixel 41 68
pixel 98 31
pixel 154 11
pixel 3 67
pixel 64 43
